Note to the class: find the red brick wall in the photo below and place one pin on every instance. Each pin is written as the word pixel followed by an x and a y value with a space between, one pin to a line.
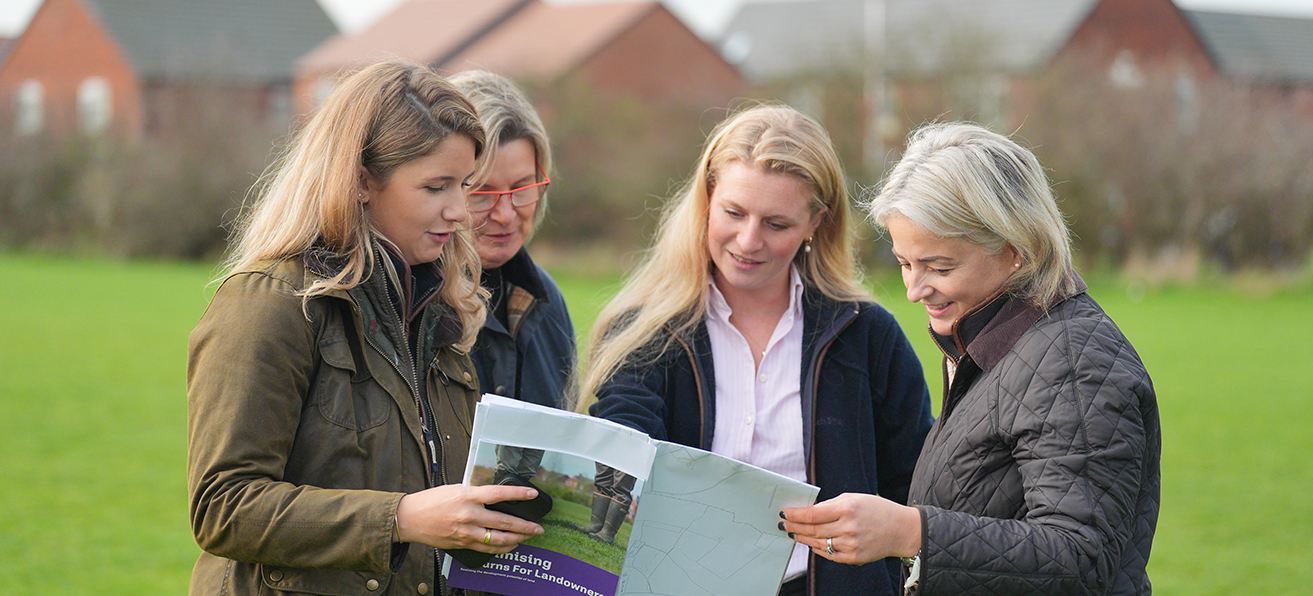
pixel 676 64
pixel 63 45
pixel 1154 30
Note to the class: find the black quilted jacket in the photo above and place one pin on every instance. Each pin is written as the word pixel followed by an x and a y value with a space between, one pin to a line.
pixel 1041 475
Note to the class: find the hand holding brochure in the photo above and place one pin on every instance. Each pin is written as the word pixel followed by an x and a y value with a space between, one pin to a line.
pixel 629 514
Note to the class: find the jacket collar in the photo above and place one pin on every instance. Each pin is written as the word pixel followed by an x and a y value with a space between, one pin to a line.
pixel 521 288
pixel 823 318
pixel 415 286
pixel 385 282
pixel 520 271
pixel 965 329
pixel 1005 328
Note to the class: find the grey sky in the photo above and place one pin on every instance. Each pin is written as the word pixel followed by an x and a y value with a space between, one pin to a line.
pixel 703 16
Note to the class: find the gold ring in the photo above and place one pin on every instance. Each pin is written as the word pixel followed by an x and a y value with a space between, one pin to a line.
pixel 487 536
pixel 829 546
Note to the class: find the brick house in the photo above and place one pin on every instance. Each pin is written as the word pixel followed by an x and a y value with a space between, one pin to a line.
pixel 638 49
pixel 1272 56
pixel 980 59
pixel 147 67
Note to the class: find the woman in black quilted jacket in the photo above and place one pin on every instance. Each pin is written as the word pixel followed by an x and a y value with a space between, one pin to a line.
pixel 1041 475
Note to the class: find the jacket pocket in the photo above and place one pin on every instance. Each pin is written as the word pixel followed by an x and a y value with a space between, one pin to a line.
pixel 458 386
pixel 326 582
pixel 344 397
pixel 457 368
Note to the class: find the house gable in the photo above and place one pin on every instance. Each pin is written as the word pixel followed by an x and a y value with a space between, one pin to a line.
pixel 636 48
pixel 1139 33
pixel 64 48
pixel 677 65
pixel 423 31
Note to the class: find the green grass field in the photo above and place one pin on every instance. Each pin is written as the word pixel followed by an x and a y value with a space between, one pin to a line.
pixel 561 534
pixel 92 386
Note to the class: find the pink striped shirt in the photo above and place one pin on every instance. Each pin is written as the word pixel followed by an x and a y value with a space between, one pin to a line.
pixel 759 411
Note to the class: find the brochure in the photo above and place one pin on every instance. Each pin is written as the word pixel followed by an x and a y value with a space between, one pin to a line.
pixel 628 514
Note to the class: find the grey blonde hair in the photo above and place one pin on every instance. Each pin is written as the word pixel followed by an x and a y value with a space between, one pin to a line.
pixel 507 116
pixel 959 180
pixel 378 119
pixel 670 286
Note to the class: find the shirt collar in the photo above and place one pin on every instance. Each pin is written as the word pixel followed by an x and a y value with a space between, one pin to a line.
pixel 717 306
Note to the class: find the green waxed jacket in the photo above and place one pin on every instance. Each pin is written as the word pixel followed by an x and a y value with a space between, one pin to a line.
pixel 297 453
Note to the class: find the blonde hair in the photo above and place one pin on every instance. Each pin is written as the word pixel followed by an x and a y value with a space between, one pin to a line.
pixel 377 119
pixel 774 138
pixel 507 116
pixel 959 180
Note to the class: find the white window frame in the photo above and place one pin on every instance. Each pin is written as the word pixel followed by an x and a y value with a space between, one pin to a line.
pixel 29 108
pixel 95 105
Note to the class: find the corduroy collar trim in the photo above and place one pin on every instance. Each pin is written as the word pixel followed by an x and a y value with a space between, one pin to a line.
pixel 1005 328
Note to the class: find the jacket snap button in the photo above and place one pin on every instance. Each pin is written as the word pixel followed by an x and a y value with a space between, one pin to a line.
pixel 276 575
pixel 372 584
pixel 423 589
pixel 467 376
pixel 501 390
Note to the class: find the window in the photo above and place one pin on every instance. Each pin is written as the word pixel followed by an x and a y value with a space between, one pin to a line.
pixel 95 105
pixel 30 112
pixel 737 48
pixel 1187 101
pixel 1124 72
pixel 323 88
pixel 280 105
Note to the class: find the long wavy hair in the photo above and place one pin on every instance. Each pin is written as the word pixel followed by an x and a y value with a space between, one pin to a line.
pixel 960 180
pixel 376 120
pixel 670 287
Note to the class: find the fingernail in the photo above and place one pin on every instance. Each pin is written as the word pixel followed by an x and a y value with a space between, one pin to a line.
pixel 782 515
pixel 781 526
pixel 790 534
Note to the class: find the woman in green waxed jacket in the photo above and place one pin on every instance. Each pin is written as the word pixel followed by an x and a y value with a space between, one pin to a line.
pixel 330 394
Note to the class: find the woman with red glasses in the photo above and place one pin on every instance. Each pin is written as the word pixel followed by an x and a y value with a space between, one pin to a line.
pixel 526 349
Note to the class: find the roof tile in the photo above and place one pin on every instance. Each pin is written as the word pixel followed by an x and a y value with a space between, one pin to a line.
pixel 1258 47
pixel 233 39
pixel 424 31
pixel 549 40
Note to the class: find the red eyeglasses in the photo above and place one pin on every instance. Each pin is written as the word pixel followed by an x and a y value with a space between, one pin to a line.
pixel 486 200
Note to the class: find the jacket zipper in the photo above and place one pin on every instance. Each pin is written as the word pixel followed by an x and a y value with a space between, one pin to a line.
pixel 429 426
pixel 412 382
pixel 811 460
pixel 946 406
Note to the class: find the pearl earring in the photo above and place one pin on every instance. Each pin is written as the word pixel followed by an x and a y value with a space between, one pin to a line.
pixel 1017 265
pixel 807 248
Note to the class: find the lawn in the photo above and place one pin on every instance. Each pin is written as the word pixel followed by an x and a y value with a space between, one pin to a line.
pixel 92 382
